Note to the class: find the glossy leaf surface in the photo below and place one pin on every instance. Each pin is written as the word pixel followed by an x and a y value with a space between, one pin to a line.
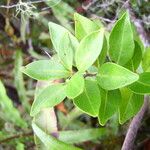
pixel 83 26
pixel 136 59
pixel 89 101
pixel 48 97
pixel 64 43
pixel 142 86
pixel 89 49
pixel 112 76
pixel 45 70
pixel 110 101
pixel 102 56
pixel 130 105
pixel 75 86
pixel 121 41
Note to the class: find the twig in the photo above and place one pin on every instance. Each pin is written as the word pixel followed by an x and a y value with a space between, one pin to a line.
pixel 30 46
pixel 86 7
pixel 15 5
pixel 38 1
pixel 102 18
pixel 8 7
pixel 90 75
pixel 134 126
pixel 111 22
pixel 23 135
pixel 106 4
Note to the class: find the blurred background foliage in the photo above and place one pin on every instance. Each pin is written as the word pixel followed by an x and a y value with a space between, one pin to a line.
pixel 24 37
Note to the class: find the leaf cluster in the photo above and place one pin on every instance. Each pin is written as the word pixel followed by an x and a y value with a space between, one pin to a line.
pixel 100 70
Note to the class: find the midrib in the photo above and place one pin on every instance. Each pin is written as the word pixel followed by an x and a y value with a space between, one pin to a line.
pixel 89 101
pixel 121 43
pixel 144 83
pixel 127 105
pixel 106 97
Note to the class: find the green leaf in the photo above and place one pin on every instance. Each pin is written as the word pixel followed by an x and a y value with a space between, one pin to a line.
pixel 121 41
pixel 110 101
pixel 142 86
pixel 102 56
pixel 9 112
pixel 50 142
pixel 137 38
pixel 75 86
pixel 89 101
pixel 66 51
pixel 64 43
pixel 83 26
pixel 49 97
pixel 112 76
pixel 45 70
pixel 89 49
pixel 130 105
pixel 78 136
pixel 136 59
pixel 146 60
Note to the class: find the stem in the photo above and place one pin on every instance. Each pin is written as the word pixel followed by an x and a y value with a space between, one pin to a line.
pixel 16 137
pixel 134 126
pixel 90 75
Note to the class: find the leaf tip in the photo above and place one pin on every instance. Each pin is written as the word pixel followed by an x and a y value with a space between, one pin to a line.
pixel 101 122
pixel 121 121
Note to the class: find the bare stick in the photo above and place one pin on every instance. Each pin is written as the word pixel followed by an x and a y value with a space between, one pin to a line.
pixel 134 126
pixel 15 5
